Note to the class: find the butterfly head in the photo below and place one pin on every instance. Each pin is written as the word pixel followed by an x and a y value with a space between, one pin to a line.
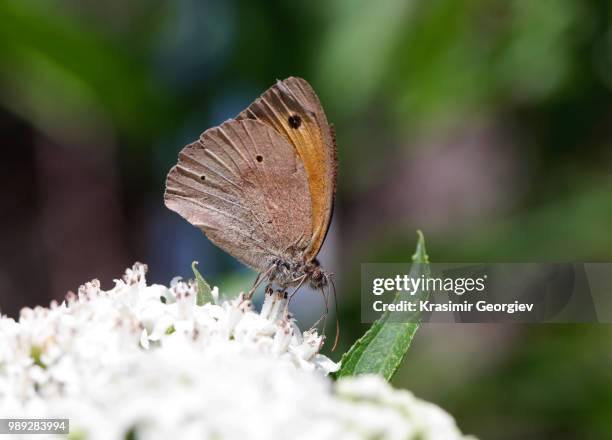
pixel 317 277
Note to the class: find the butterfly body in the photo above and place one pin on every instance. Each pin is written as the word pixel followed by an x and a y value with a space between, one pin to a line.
pixel 261 186
pixel 287 273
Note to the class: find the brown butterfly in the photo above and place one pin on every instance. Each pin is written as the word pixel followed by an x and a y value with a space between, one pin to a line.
pixel 261 186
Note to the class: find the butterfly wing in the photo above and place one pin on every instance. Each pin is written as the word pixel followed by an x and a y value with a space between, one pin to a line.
pixel 293 109
pixel 245 187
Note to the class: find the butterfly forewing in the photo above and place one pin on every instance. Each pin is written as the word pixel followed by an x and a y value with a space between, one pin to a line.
pixel 293 109
pixel 243 184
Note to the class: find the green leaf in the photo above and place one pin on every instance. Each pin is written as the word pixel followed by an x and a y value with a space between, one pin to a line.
pixel 204 290
pixel 35 354
pixel 383 347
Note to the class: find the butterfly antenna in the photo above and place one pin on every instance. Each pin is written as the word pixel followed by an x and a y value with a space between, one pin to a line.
pixel 331 281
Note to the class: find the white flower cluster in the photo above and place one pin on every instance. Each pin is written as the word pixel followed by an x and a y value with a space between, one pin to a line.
pixel 146 362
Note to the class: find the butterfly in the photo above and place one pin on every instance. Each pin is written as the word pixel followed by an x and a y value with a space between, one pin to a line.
pixel 262 185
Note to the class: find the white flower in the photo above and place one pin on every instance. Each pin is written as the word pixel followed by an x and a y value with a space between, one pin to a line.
pixel 147 359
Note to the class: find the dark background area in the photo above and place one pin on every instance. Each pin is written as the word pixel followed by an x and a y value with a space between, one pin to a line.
pixel 487 124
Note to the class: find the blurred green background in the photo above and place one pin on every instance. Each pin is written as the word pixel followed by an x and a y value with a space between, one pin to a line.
pixel 487 124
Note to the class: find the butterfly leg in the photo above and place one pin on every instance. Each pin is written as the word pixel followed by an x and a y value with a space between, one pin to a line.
pixel 300 280
pixel 323 317
pixel 269 290
pixel 262 276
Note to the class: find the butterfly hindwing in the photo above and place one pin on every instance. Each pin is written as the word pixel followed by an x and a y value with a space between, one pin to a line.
pixel 244 185
pixel 292 108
